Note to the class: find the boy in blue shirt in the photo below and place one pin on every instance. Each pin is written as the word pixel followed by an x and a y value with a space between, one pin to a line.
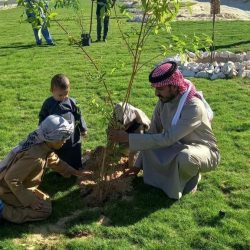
pixel 61 104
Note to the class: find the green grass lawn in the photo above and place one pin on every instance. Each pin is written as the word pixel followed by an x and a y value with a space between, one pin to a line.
pixel 148 219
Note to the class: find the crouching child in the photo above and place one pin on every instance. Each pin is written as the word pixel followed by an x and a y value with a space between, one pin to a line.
pixel 22 170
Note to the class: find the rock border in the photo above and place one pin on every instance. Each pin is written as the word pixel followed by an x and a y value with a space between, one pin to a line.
pixel 224 64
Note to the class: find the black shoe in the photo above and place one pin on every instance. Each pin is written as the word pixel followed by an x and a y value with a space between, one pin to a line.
pixel 192 184
pixel 39 42
pixel 97 40
pixel 51 44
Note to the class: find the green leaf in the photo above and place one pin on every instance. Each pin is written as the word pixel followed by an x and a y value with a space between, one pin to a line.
pixel 52 15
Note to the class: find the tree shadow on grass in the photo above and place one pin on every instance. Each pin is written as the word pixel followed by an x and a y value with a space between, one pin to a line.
pixel 18 46
pixel 146 200
pixel 231 45
pixel 227 46
pixel 53 182
pixel 70 209
pixel 21 46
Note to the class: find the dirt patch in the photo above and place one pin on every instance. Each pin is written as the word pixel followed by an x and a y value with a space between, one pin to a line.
pixel 104 183
pixel 32 241
pixel 47 236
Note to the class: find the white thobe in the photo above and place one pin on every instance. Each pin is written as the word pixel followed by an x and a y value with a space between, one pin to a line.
pixel 171 156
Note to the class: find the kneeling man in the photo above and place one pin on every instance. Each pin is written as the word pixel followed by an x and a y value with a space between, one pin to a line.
pixel 180 143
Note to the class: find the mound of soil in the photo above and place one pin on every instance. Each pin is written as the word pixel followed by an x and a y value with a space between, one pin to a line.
pixel 104 182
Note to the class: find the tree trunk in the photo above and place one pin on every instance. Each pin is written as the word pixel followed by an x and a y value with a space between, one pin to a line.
pixel 215 7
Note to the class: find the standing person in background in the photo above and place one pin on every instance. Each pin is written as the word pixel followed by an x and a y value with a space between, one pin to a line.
pixel 22 170
pixel 103 12
pixel 37 18
pixel 61 104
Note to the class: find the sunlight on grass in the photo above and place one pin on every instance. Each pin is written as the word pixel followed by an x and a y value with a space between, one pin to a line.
pixel 149 220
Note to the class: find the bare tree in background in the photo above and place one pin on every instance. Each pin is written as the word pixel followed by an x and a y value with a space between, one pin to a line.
pixel 215 9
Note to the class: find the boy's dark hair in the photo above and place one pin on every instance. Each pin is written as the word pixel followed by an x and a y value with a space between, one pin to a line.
pixel 60 81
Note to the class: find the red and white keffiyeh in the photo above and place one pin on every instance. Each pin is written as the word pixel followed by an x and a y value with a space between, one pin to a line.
pixel 169 74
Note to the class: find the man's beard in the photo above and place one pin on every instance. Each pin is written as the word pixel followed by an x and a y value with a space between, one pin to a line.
pixel 166 99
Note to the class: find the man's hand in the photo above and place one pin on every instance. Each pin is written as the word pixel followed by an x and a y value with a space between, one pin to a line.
pixel 118 135
pixel 133 171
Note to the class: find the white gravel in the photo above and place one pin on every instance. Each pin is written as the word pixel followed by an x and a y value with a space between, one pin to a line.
pixel 230 10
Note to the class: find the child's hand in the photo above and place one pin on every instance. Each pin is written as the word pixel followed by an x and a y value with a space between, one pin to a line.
pixel 85 173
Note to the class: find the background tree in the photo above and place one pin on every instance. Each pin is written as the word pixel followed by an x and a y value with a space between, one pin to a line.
pixel 214 10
